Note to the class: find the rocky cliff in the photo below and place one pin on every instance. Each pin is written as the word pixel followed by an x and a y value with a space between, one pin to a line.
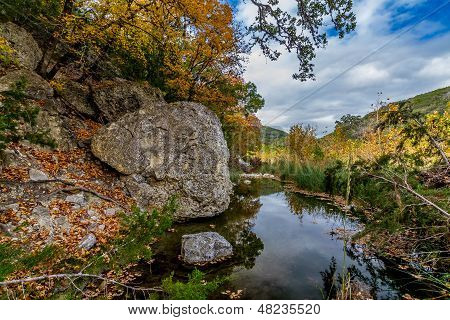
pixel 118 144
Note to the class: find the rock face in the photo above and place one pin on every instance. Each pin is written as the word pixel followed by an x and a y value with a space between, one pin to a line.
pixel 117 97
pixel 170 149
pixel 77 96
pixel 36 87
pixel 205 247
pixel 27 51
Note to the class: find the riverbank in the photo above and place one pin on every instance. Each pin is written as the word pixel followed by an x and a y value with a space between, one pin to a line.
pixel 397 248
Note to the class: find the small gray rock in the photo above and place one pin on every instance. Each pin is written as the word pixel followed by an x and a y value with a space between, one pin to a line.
pixel 247 182
pixel 78 199
pixel 111 211
pixel 204 247
pixel 88 242
pixel 63 223
pixel 43 218
pixel 14 207
pixel 37 175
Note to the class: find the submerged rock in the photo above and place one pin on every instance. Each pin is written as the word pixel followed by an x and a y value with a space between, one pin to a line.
pixel 170 149
pixel 205 247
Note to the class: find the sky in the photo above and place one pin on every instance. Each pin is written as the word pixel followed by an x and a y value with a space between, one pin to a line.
pixel 396 62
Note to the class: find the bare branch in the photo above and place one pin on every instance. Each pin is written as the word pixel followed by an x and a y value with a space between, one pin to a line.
pixel 76 275
pixel 412 191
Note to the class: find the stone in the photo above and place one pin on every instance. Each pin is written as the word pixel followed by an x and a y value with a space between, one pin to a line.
pixel 111 211
pixel 205 247
pixel 78 199
pixel 247 182
pixel 14 207
pixel 175 149
pixel 116 97
pixel 51 120
pixel 43 218
pixel 76 95
pixel 36 87
pixel 63 223
pixel 26 50
pixel 37 175
pixel 88 242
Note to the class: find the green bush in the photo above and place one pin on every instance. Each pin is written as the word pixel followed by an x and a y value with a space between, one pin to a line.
pixel 196 288
pixel 138 231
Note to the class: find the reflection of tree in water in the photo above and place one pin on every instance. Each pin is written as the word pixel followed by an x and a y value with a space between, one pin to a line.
pixel 329 280
pixel 248 247
pixel 241 215
pixel 300 205
pixel 369 272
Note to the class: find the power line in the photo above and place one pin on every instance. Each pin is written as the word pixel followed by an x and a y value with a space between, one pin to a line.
pixel 358 62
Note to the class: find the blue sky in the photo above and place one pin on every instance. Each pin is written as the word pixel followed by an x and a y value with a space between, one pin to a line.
pixel 418 61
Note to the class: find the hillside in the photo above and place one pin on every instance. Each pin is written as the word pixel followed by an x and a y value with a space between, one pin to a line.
pixel 270 135
pixel 424 103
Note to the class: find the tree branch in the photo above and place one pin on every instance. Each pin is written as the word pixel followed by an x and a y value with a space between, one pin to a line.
pixel 412 191
pixel 76 275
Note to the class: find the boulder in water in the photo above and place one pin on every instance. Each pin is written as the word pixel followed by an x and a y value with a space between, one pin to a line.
pixel 205 247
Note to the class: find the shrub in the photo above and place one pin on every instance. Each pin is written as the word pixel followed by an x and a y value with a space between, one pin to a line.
pixel 138 231
pixel 196 288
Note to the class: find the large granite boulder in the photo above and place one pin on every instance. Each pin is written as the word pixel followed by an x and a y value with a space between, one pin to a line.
pixel 205 247
pixel 117 97
pixel 26 50
pixel 36 87
pixel 170 149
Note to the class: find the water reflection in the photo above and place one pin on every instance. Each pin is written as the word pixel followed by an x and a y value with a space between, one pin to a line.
pixel 283 248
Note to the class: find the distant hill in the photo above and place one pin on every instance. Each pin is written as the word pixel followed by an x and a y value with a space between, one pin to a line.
pixel 436 100
pixel 270 135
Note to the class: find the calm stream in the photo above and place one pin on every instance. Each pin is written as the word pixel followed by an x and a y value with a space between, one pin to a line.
pixel 286 247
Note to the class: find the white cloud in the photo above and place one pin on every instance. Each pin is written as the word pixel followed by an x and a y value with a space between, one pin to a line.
pixel 408 66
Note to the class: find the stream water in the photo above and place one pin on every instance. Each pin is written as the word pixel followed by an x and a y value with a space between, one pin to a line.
pixel 286 246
